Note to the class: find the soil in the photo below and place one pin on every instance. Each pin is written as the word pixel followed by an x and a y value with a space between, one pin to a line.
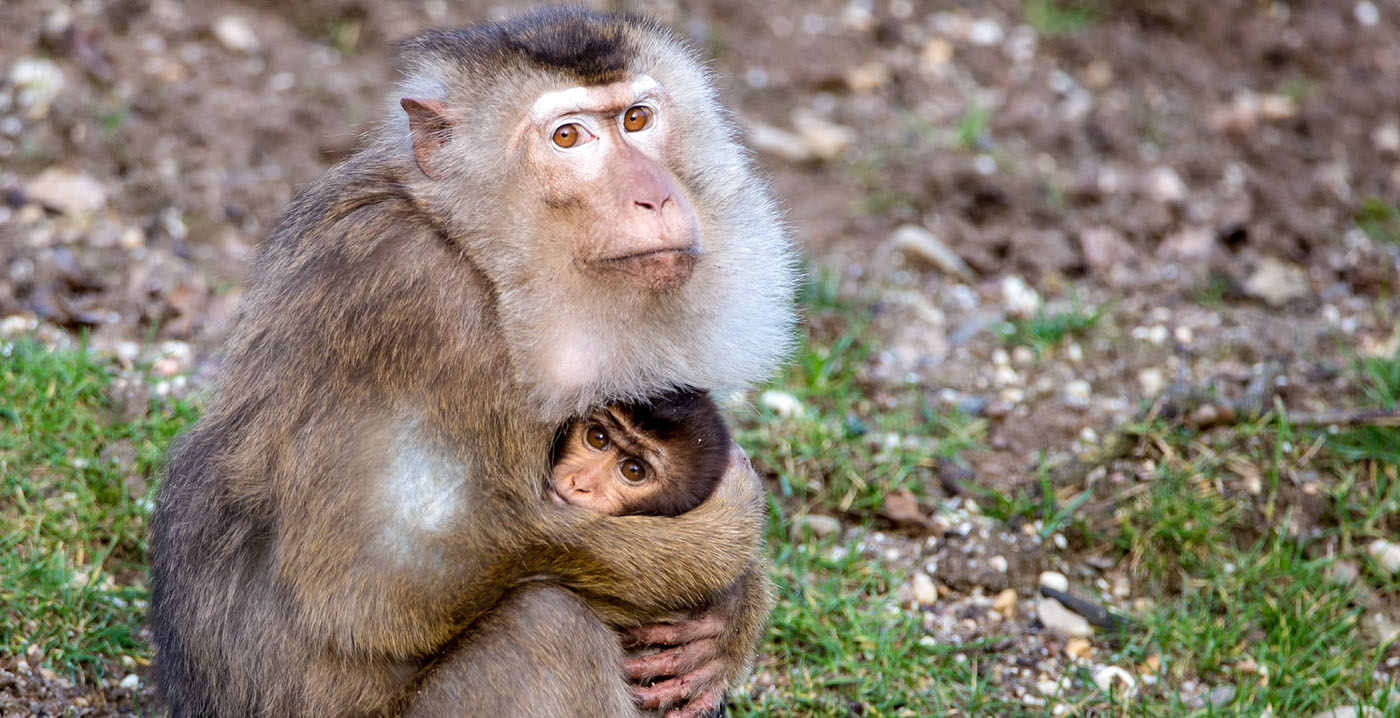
pixel 1191 168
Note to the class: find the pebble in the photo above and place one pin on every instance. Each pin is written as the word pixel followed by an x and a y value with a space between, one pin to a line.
pixel 824 139
pixel 37 81
pixel 1277 282
pixel 131 681
pixel 911 239
pixel 1115 679
pixel 1022 355
pixel 1164 185
pixel 1350 712
pixel 1386 554
pixel 68 192
pixel 1220 696
pixel 236 34
pixel 1020 299
pixel 1104 248
pixel 998 564
pixel 985 32
pixel 821 526
pixel 16 324
pixel 1054 580
pixel 779 142
pixel 1077 392
pixel 1006 602
pixel 1060 620
pixel 1381 628
pixel 781 403
pixel 1079 648
pixel 1386 138
pixel 1151 382
pixel 1366 14
pixel 925 593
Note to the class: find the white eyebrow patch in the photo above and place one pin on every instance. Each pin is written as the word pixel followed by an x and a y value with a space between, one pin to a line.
pixel 557 103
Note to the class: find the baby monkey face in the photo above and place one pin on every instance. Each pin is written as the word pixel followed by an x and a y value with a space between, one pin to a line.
pixel 599 469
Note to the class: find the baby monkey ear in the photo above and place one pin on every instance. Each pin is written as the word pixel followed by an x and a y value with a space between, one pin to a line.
pixel 430 129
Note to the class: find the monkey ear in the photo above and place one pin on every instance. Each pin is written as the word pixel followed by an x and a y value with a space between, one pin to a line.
pixel 430 129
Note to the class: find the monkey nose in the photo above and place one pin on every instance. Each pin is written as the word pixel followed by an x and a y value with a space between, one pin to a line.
pixel 652 205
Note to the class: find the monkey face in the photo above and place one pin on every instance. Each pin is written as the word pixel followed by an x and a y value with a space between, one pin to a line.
pixel 601 153
pixel 595 472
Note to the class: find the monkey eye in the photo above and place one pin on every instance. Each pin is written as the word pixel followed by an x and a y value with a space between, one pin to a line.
pixel 632 470
pixel 570 134
pixel 636 118
pixel 595 436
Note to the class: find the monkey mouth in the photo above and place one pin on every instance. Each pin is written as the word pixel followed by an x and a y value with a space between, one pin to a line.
pixel 656 270
pixel 690 250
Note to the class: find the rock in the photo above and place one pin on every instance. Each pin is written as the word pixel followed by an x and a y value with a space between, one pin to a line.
pixel 779 142
pixel 824 139
pixel 1006 602
pixel 1386 554
pixel 867 77
pixel 1060 620
pixel 1366 14
pixel 1386 138
pixel 1055 580
pixel 1220 696
pixel 1277 282
pixel 820 526
pixel 1380 628
pixel 1151 382
pixel 1164 185
pixel 131 681
pixel 1077 392
pixel 1350 712
pixel 37 82
pixel 236 34
pixel 1343 572
pixel 1104 248
pixel 925 593
pixel 1080 648
pixel 1114 679
pixel 781 403
pixel 935 54
pixel 68 192
pixel 16 324
pixel 985 31
pixel 911 239
pixel 1020 299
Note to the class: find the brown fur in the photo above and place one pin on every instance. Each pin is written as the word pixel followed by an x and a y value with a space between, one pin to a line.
pixel 368 481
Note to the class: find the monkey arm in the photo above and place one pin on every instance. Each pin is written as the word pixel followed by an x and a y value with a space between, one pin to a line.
pixel 651 564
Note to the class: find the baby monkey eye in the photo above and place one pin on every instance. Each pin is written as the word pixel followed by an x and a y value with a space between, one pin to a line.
pixel 595 436
pixel 633 471
pixel 636 118
pixel 568 135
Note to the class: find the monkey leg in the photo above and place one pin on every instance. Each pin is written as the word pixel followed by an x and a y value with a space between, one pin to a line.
pixel 541 652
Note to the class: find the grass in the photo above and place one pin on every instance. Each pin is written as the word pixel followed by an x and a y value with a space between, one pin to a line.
pixel 73 499
pixel 1048 329
pixel 1056 17
pixel 1379 220
pixel 1241 582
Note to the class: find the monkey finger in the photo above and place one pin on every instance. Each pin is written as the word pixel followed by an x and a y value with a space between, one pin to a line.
pixel 678 690
pixel 706 625
pixel 705 705
pixel 672 661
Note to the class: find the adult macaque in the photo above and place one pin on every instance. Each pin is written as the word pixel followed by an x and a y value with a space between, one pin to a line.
pixel 662 458
pixel 556 217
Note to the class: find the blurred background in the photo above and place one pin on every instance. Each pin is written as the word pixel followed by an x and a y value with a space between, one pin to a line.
pixel 1100 289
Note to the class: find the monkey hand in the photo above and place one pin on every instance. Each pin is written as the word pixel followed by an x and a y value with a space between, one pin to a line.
pixel 704 656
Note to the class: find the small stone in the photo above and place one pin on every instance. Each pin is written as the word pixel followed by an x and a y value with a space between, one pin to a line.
pixel 820 526
pixel 1220 696
pixel 1054 580
pixel 1366 14
pixel 781 403
pixel 1104 248
pixel 998 564
pixel 1350 712
pixel 132 238
pixel 985 31
pixel 1006 602
pixel 935 54
pixel 867 77
pixel 1381 629
pixel 1060 620
pixel 1080 648
pixel 925 593
pixel 824 139
pixel 16 324
pixel 779 142
pixel 1386 138
pixel 1022 355
pixel 1277 282
pixel 1386 554
pixel 236 34
pixel 1164 185
pixel 1077 392
pixel 37 82
pixel 911 239
pixel 1343 572
pixel 131 681
pixel 67 191
pixel 1020 299
pixel 1114 679
pixel 1151 382
pixel 1277 107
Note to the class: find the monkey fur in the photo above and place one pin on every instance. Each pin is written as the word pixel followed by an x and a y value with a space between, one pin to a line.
pixel 357 525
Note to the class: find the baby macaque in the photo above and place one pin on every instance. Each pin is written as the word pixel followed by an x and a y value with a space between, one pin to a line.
pixel 658 459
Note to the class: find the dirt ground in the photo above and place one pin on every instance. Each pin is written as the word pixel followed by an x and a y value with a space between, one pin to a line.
pixel 1193 167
